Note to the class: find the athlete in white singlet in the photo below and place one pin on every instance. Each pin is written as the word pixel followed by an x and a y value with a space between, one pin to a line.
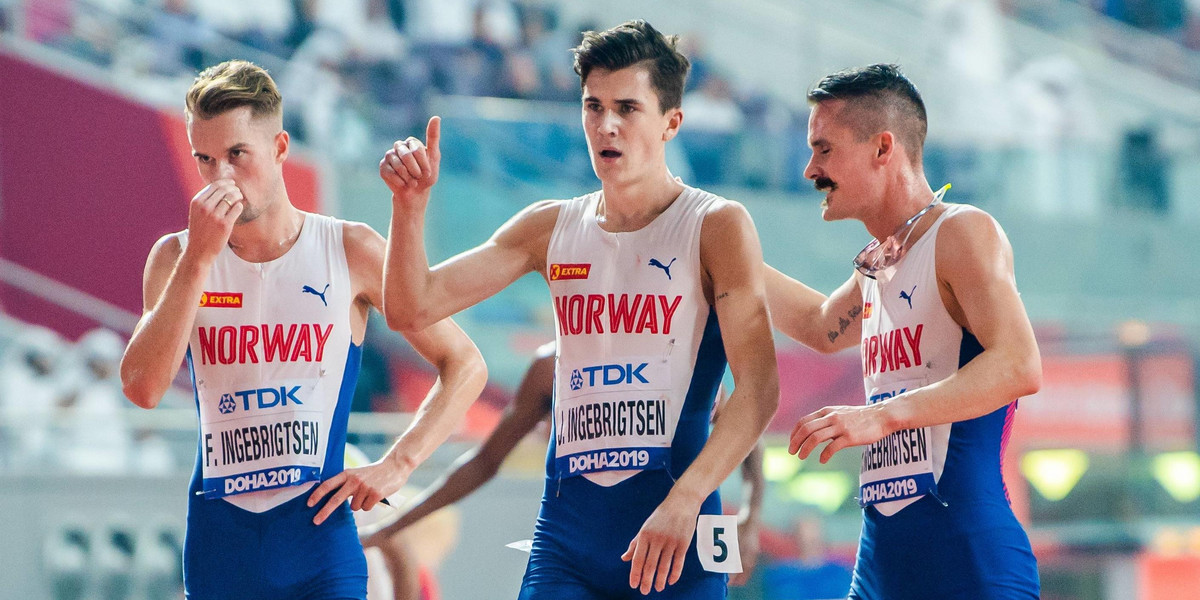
pixel 269 305
pixel 946 348
pixel 640 273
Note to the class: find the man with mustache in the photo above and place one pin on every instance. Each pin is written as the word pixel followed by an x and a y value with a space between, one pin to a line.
pixel 946 346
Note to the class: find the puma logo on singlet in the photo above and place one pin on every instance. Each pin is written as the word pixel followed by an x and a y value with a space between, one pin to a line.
pixel 667 267
pixel 907 296
pixel 308 289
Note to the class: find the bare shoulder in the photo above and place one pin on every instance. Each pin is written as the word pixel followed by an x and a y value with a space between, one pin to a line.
pixel 541 214
pixel 971 244
pixel 361 238
pixel 527 234
pixel 169 245
pixel 725 218
pixel 164 255
pixel 971 226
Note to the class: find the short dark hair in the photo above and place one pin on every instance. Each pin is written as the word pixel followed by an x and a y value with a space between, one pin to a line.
pixel 233 84
pixel 632 43
pixel 882 98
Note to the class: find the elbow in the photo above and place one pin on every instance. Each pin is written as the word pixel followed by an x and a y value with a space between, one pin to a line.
pixel 475 375
pixel 1026 375
pixel 1030 377
pixel 771 404
pixel 404 316
pixel 138 390
pixel 473 368
pixel 403 321
pixel 768 403
pixel 140 395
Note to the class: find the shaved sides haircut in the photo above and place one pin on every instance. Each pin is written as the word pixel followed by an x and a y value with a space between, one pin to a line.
pixel 233 84
pixel 878 98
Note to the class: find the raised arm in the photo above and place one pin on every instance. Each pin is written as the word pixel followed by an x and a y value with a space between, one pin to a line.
pixel 530 405
pixel 461 377
pixel 414 294
pixel 825 324
pixel 171 287
pixel 979 290
pixel 732 259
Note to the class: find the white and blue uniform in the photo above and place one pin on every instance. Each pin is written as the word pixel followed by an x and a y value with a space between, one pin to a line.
pixel 936 520
pixel 274 367
pixel 639 361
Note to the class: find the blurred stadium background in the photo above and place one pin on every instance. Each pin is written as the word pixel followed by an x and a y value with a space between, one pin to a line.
pixel 1076 123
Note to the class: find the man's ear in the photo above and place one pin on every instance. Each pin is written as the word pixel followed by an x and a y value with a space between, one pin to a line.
pixel 675 119
pixel 283 143
pixel 885 147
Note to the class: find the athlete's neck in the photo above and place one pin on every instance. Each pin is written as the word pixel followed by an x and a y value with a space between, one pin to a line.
pixel 632 206
pixel 902 198
pixel 268 236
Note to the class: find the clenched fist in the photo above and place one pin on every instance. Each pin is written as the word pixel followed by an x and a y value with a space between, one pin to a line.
pixel 410 168
pixel 211 215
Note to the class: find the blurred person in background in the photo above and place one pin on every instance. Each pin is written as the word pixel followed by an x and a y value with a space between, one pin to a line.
pixel 946 347
pixel 401 567
pixel 531 405
pixel 269 305
pixel 33 382
pixel 606 530
pixel 96 437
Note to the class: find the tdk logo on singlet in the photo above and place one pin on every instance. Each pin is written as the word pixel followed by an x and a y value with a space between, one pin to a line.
pixel 607 375
pixel 263 398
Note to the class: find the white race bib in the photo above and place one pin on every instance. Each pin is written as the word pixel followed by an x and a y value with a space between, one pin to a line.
pixel 899 466
pixel 254 439
pixel 717 543
pixel 614 416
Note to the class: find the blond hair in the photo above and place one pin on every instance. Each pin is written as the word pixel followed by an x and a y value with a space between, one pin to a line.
pixel 233 84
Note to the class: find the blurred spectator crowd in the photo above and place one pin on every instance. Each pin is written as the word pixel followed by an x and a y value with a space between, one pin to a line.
pixel 62 409
pixel 357 74
pixel 1178 20
pixel 354 72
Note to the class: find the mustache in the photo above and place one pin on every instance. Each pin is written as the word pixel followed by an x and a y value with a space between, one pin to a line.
pixel 824 184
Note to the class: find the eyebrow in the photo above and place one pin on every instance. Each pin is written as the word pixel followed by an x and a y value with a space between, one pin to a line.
pixel 237 146
pixel 629 101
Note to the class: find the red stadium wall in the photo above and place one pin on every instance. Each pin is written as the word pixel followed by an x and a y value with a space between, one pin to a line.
pixel 88 181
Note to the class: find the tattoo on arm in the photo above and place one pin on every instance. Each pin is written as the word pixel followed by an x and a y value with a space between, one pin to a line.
pixel 722 295
pixel 844 323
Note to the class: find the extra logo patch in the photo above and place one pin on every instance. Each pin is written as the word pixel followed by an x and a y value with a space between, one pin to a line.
pixel 220 299
pixel 226 405
pixel 570 271
pixel 866 310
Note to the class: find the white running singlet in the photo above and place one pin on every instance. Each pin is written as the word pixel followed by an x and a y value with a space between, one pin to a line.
pixel 631 314
pixel 268 353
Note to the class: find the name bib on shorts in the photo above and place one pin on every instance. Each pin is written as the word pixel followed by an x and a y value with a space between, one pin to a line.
pixel 254 439
pixel 614 416
pixel 899 466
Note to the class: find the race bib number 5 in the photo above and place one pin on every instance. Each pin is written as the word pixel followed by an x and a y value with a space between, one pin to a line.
pixel 717 543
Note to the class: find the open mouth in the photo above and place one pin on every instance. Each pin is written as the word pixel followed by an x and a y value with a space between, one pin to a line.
pixel 610 154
